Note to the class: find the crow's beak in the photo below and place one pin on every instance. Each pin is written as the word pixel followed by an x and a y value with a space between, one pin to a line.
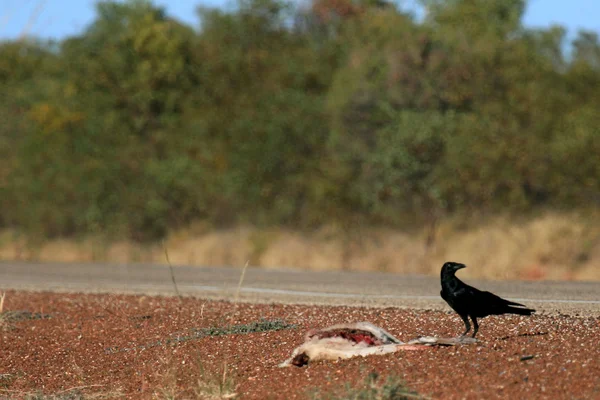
pixel 460 266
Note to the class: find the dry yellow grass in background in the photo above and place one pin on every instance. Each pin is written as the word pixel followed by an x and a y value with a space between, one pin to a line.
pixel 551 246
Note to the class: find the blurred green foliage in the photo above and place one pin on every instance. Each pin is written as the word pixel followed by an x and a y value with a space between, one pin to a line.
pixel 270 113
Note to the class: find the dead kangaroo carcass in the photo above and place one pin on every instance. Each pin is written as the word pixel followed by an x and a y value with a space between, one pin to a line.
pixel 346 341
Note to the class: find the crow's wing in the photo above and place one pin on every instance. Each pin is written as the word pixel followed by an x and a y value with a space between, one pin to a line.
pixel 459 298
pixel 486 303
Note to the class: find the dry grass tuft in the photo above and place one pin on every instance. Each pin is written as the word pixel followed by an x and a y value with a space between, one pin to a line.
pixel 219 384
pixel 76 393
pixel 393 388
pixel 3 322
pixel 216 386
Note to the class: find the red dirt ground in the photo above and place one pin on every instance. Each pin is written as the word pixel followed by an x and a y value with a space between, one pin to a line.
pixel 114 346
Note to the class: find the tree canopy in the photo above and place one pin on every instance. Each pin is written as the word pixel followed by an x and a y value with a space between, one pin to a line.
pixel 276 113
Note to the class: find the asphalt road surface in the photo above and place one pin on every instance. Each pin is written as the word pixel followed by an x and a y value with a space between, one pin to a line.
pixel 289 286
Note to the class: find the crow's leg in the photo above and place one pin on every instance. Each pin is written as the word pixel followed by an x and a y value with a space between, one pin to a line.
pixel 465 319
pixel 475 326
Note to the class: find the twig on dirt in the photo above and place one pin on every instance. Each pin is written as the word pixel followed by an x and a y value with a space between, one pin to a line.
pixel 239 288
pixel 3 317
pixel 231 314
pixel 171 271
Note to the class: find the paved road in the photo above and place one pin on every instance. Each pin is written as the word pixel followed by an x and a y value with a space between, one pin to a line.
pixel 289 286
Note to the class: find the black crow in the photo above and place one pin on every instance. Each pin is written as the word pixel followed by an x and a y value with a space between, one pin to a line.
pixel 468 301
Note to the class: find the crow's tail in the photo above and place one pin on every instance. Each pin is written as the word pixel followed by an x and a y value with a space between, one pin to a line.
pixel 520 311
